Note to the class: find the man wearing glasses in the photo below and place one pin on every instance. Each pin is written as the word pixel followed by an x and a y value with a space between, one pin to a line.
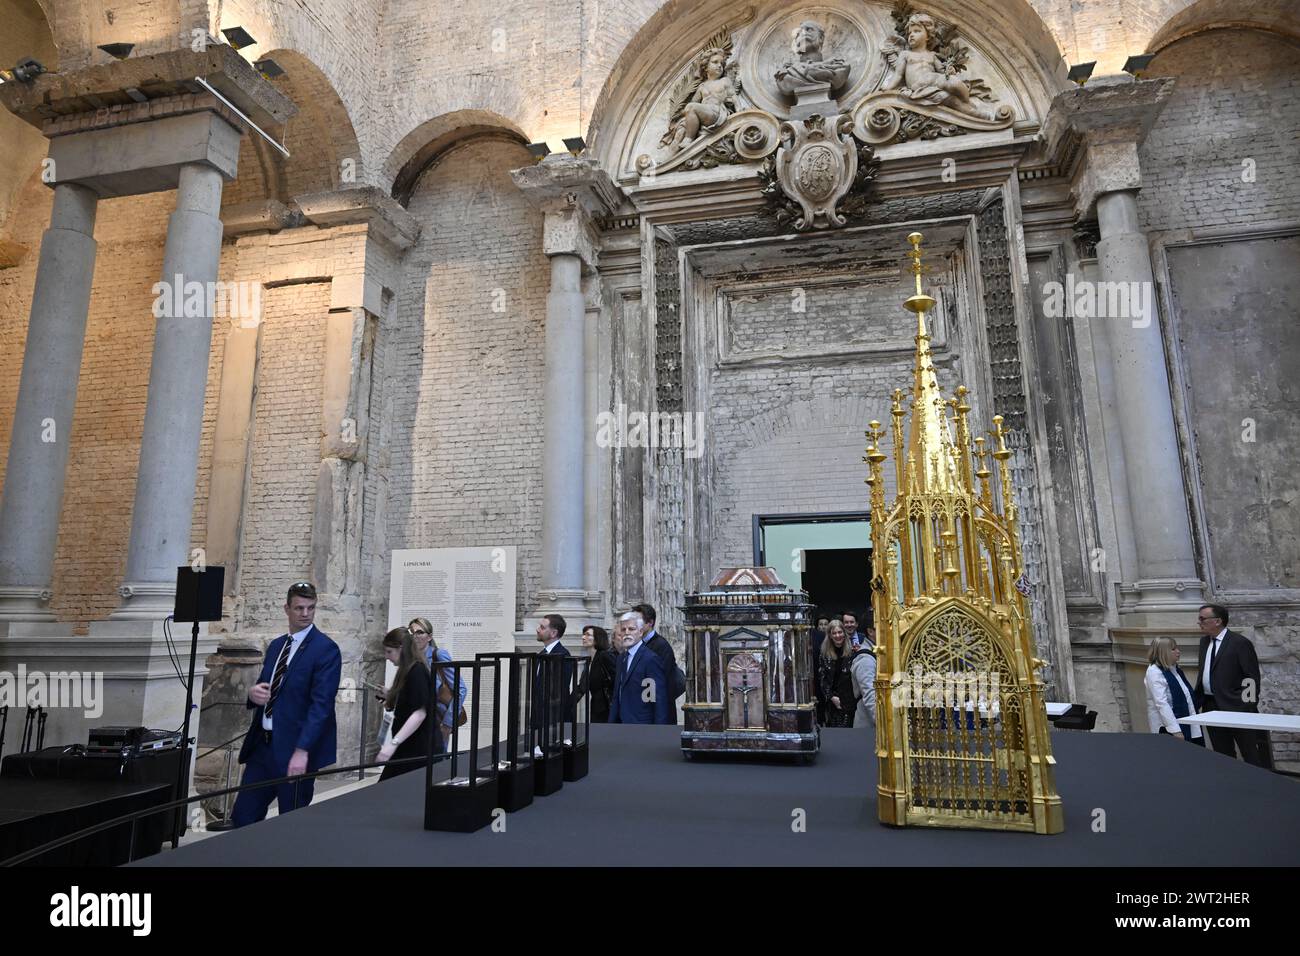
pixel 293 730
pixel 1228 679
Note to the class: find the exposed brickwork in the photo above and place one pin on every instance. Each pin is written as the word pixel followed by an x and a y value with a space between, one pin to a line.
pixel 462 383
pixel 275 542
pixel 1236 105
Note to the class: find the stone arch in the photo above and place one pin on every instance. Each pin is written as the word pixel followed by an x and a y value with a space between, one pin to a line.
pixel 1031 62
pixel 1182 18
pixel 424 147
pixel 321 140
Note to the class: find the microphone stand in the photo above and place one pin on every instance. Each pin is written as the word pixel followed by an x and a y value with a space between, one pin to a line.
pixel 182 784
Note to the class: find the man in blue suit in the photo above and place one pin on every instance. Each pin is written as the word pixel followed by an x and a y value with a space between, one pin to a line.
pixel 293 729
pixel 642 694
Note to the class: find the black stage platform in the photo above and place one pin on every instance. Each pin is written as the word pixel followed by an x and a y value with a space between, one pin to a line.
pixel 1166 802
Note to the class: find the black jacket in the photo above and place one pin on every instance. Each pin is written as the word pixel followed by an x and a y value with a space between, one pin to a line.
pixel 664 651
pixel 559 692
pixel 599 680
pixel 1235 664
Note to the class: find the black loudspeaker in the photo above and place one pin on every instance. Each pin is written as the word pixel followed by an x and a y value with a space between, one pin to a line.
pixel 198 594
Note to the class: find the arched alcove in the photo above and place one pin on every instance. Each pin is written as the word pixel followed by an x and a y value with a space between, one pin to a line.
pixel 424 146
pixel 1182 18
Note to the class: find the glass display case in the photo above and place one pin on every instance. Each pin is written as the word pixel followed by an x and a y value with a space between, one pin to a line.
pixel 577 719
pixel 549 684
pixel 515 764
pixel 462 789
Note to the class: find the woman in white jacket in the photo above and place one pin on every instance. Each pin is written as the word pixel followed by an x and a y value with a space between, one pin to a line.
pixel 1169 696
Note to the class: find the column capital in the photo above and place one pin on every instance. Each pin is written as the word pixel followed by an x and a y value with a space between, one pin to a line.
pixel 573 194
pixel 1099 128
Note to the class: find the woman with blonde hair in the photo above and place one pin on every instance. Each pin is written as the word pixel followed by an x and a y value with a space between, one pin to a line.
pixel 422 631
pixel 1168 695
pixel 835 676
pixel 408 699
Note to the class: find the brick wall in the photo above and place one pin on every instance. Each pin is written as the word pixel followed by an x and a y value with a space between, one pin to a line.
pixel 1237 99
pixel 275 539
pixel 463 383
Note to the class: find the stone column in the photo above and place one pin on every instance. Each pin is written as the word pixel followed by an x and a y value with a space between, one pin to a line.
pixel 571 193
pixel 1162 531
pixel 47 395
pixel 1110 120
pixel 564 480
pixel 173 419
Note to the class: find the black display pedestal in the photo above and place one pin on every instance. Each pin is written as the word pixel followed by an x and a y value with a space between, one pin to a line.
pixel 516 786
pixel 549 771
pixel 458 807
pixel 575 762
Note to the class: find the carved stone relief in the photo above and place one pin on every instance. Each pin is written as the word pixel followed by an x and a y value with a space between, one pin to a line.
pixel 809 96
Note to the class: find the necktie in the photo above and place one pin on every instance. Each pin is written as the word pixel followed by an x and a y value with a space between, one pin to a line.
pixel 281 666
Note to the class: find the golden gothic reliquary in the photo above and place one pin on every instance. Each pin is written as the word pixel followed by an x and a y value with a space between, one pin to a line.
pixel 961 730
pixel 749 667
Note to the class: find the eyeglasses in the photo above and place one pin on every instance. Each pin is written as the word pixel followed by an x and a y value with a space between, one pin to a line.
pixel 1199 618
pixel 418 633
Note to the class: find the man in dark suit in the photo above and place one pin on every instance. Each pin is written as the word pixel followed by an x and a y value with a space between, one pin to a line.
pixel 640 685
pixel 549 631
pixel 656 642
pixel 1228 679
pixel 293 730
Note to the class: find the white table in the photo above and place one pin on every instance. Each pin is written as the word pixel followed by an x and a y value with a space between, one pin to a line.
pixel 1056 710
pixel 1285 723
pixel 1238 720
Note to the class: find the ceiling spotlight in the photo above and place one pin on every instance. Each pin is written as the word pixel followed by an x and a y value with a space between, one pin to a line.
pixel 268 68
pixel 118 51
pixel 1079 74
pixel 1137 65
pixel 575 145
pixel 539 151
pixel 27 70
pixel 238 37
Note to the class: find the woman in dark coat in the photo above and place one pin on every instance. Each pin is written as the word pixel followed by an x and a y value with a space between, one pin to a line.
pixel 835 676
pixel 604 670
pixel 409 699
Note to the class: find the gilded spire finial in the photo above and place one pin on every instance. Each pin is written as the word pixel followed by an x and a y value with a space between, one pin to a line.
pixel 946 567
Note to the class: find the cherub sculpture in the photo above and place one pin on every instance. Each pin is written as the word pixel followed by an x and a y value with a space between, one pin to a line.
pixel 921 66
pixel 704 99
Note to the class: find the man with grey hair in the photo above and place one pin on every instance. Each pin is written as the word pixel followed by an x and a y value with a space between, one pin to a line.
pixel 641 691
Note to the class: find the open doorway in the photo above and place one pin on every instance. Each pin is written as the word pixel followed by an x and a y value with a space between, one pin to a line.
pixel 827 555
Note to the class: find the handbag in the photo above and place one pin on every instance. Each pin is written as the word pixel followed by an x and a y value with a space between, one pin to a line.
pixel 445 697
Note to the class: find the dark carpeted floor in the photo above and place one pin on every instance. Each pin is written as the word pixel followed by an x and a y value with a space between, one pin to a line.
pixel 1164 802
